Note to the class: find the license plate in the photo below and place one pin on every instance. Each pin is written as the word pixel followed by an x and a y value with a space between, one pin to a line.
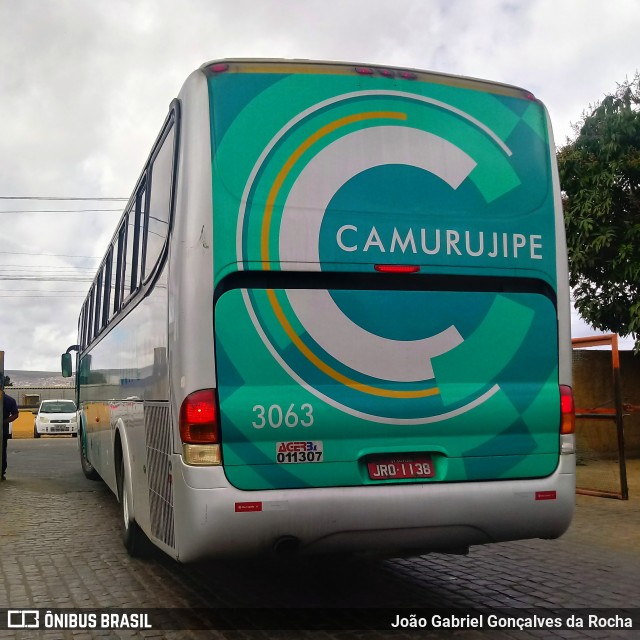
pixel 299 451
pixel 400 469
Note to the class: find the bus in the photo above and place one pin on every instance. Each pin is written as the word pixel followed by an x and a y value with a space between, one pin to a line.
pixel 334 317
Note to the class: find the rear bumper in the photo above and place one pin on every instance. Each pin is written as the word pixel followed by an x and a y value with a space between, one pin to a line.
pixel 214 519
pixel 56 430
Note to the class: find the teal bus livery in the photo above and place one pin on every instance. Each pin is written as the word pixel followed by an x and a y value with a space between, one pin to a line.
pixel 334 317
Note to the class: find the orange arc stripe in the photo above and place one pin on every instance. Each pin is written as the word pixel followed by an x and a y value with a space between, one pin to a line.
pixel 266 223
pixel 325 368
pixel 295 156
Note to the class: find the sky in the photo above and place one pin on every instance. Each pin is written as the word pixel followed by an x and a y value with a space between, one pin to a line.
pixel 85 86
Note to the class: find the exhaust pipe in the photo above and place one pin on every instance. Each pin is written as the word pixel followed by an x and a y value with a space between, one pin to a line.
pixel 286 546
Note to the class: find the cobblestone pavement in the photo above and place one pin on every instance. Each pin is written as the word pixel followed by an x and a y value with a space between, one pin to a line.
pixel 60 548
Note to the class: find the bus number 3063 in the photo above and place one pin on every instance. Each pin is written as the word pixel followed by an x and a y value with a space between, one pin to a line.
pixel 275 416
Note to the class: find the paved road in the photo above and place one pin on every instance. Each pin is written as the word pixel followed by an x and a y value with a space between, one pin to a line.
pixel 60 548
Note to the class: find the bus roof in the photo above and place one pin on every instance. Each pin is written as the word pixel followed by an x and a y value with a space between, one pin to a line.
pixel 268 65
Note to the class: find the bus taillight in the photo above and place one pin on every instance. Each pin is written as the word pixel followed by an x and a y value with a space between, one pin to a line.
pixel 396 268
pixel 567 410
pixel 199 418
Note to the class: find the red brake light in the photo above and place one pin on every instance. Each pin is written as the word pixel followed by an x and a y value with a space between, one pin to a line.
pixel 567 410
pixel 199 418
pixel 365 71
pixel 220 67
pixel 397 268
pixel 408 75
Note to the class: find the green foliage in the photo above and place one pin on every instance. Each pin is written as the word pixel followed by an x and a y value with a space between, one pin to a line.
pixel 600 178
pixel 7 382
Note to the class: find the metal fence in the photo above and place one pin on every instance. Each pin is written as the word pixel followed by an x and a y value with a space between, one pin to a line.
pixel 601 453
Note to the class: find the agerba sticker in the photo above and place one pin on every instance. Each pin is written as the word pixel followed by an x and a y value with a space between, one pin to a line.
pixel 299 451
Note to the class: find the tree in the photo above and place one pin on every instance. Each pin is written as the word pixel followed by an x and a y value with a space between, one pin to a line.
pixel 7 382
pixel 600 178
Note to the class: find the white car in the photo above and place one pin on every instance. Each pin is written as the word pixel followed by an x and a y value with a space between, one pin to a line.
pixel 56 417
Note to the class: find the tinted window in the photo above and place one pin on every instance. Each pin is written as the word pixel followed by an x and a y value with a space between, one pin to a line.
pixel 107 288
pixel 82 326
pixel 97 304
pixel 129 273
pixel 90 317
pixel 122 244
pixel 113 280
pixel 141 205
pixel 159 201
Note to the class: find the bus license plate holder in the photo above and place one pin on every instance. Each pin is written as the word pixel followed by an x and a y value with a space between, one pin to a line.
pixel 403 468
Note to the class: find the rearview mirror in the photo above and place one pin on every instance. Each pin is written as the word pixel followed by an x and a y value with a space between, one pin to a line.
pixel 67 366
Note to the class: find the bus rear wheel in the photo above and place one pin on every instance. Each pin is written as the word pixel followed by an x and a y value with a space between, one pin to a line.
pixel 133 537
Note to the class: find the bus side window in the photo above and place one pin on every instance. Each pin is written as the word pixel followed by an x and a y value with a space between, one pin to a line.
pixel 108 268
pixel 84 369
pixel 133 260
pixel 159 201
pixel 129 271
pixel 98 301
pixel 113 287
pixel 89 335
pixel 141 210
pixel 85 328
pixel 82 326
pixel 119 271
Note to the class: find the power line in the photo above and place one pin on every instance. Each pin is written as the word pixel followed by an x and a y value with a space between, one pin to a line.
pixel 48 278
pixel 53 255
pixel 49 267
pixel 43 277
pixel 41 266
pixel 104 199
pixel 58 210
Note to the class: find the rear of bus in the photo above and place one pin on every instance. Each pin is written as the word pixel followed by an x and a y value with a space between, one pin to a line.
pixel 391 319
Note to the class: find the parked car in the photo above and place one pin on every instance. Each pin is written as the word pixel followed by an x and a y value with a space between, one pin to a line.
pixel 56 417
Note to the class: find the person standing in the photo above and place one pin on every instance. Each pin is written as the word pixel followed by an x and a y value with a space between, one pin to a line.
pixel 9 414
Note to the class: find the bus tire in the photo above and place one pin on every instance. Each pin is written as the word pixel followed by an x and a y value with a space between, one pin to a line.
pixel 87 468
pixel 134 539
